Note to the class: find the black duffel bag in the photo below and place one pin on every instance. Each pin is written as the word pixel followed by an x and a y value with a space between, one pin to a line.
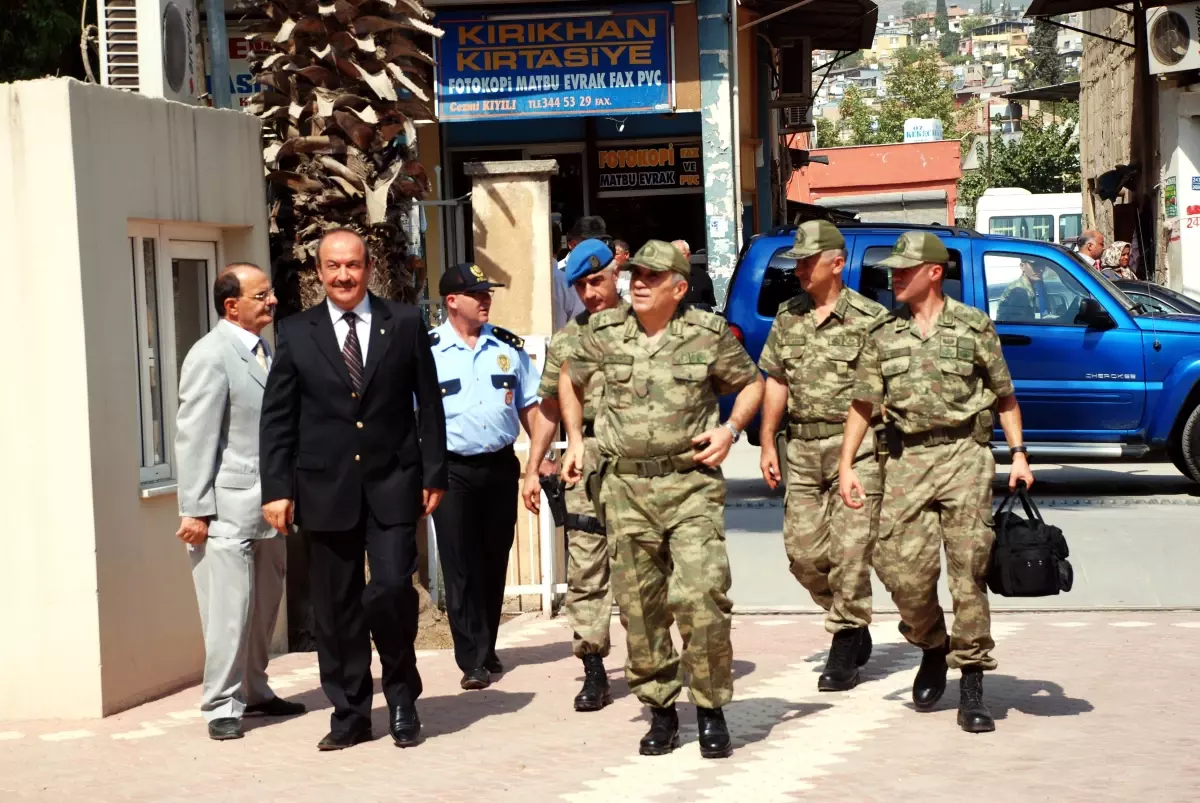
pixel 1029 556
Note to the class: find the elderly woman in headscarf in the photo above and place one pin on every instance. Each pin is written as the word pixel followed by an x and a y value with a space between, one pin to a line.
pixel 1114 262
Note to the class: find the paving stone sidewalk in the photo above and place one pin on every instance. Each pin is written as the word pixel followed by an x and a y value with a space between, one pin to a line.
pixel 1090 707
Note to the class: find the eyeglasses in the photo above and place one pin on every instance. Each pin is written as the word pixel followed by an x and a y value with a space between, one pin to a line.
pixel 263 296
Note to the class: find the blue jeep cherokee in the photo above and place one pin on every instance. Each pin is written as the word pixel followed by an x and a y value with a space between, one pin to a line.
pixel 1098 376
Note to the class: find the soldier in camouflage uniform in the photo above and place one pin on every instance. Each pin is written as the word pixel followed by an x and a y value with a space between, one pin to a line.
pixel 592 273
pixel 660 488
pixel 938 370
pixel 810 359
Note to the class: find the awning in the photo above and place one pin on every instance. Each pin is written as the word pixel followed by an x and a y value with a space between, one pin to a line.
pixel 1053 93
pixel 830 24
pixel 1052 8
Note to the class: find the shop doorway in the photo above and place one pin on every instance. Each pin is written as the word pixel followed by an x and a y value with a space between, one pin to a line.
pixel 658 216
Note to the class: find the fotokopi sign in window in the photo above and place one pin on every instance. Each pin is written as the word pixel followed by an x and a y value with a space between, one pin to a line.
pixel 495 66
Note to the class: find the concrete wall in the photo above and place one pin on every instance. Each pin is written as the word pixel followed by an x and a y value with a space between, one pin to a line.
pixel 95 590
pixel 908 175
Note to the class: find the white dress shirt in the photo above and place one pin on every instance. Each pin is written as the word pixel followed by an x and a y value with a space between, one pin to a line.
pixel 249 339
pixel 362 325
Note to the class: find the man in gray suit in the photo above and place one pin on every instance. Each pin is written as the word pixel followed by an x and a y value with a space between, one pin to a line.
pixel 237 558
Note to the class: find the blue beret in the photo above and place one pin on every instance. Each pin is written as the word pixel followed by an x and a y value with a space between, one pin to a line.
pixel 586 258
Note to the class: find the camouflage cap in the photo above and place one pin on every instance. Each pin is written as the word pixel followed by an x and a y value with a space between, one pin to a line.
pixel 916 248
pixel 658 256
pixel 813 237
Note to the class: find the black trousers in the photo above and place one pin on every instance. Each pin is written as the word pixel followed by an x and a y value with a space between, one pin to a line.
pixel 475 524
pixel 349 612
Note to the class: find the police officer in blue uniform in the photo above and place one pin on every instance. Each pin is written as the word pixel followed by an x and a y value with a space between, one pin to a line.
pixel 489 391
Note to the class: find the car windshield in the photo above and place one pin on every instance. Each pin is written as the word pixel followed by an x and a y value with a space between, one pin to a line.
pixel 1124 300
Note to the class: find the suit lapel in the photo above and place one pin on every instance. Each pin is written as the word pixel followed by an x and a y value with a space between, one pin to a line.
pixel 239 348
pixel 326 341
pixel 381 338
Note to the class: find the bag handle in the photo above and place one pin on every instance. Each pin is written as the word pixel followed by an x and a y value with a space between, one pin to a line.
pixel 1022 493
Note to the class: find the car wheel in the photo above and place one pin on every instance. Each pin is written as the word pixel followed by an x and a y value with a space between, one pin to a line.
pixel 1187 456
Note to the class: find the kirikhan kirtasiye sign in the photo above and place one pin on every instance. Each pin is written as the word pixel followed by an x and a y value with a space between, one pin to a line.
pixel 494 66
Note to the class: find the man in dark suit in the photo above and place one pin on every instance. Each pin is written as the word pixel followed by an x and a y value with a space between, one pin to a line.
pixel 345 454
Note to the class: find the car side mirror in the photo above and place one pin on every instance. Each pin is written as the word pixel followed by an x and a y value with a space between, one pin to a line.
pixel 1093 313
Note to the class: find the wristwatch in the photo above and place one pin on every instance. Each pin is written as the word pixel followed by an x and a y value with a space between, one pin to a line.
pixel 1022 449
pixel 737 433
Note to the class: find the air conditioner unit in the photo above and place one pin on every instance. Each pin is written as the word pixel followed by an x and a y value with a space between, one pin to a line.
pixel 1173 36
pixel 795 114
pixel 152 47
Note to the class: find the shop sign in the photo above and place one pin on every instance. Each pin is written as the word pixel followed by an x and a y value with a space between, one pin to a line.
pixel 242 86
pixel 659 166
pixel 537 63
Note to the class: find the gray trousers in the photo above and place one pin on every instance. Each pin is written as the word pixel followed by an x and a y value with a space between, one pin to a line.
pixel 239 584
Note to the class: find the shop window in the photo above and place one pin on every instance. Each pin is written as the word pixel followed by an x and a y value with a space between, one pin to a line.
pixel 172 309
pixel 876 282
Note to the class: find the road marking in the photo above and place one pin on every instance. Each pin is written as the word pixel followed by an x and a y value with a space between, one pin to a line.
pixel 1132 624
pixel 64 736
pixel 144 733
pixel 1187 624
pixel 8 736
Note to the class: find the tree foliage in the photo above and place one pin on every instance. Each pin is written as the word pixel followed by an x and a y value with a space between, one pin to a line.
pixel 914 88
pixel 919 29
pixel 913 8
pixel 941 19
pixel 948 45
pixel 1043 67
pixel 40 38
pixel 1045 158
pixel 857 122
pixel 827 132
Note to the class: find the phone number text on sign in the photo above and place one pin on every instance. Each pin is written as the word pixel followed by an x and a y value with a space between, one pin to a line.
pixel 602 62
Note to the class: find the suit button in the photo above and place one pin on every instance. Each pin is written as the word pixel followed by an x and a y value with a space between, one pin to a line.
pixel 353 395
pixel 356 458
pixel 358 424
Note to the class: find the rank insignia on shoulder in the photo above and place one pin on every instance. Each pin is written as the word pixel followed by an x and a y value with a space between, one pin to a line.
pixel 505 336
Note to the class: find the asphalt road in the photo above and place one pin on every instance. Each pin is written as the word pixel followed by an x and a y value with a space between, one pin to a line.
pixel 1132 529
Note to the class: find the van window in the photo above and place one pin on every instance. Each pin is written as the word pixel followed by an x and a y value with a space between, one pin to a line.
pixel 1027 227
pixel 876 283
pixel 779 284
pixel 1069 227
pixel 1029 289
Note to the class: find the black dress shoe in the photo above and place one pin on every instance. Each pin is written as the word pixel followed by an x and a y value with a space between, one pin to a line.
pixel 340 741
pixel 595 693
pixel 841 670
pixel 973 713
pixel 493 665
pixel 714 733
pixel 864 646
pixel 476 679
pixel 225 728
pixel 406 726
pixel 663 736
pixel 275 707
pixel 930 683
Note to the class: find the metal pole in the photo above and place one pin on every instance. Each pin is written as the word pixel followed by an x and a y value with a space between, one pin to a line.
pixel 218 54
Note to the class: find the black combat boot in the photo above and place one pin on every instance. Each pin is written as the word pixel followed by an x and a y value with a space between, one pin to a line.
pixel 663 736
pixel 841 670
pixel 595 693
pixel 714 733
pixel 864 647
pixel 930 684
pixel 973 713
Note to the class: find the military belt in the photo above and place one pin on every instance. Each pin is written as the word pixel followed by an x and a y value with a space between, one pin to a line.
pixel 585 524
pixel 939 435
pixel 814 430
pixel 589 429
pixel 654 466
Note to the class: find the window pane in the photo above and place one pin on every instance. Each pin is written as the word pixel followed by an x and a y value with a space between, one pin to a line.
pixel 876 282
pixel 1069 227
pixel 779 284
pixel 191 305
pixel 153 357
pixel 1027 227
pixel 1029 289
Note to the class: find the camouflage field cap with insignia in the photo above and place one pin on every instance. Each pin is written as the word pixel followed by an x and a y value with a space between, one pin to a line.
pixel 916 248
pixel 658 256
pixel 813 237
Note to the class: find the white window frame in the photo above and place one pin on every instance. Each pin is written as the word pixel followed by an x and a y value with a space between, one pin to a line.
pixel 171 241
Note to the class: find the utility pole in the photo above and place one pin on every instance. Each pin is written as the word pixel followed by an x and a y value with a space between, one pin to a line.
pixel 218 54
